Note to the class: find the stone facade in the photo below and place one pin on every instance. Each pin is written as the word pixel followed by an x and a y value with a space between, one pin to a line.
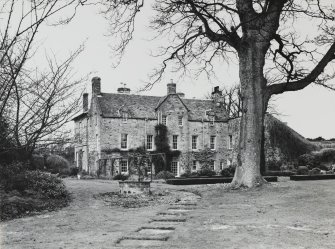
pixel 194 126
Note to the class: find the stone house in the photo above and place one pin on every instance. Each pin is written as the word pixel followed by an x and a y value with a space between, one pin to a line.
pixel 115 123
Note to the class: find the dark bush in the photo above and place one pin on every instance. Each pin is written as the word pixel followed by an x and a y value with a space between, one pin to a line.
pixel 315 171
pixel 206 172
pixel 57 165
pixel 12 176
pixel 74 171
pixel 194 174
pixel 165 175
pixel 186 174
pixel 46 184
pixel 228 172
pixel 121 177
pixel 38 162
pixel 302 170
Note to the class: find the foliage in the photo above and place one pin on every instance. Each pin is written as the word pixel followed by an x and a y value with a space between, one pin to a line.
pixel 206 172
pixel 274 165
pixel 110 151
pixel 74 171
pixel 121 177
pixel 315 171
pixel 289 142
pixel 318 158
pixel 228 172
pixel 162 146
pixel 302 170
pixel 57 165
pixel 164 175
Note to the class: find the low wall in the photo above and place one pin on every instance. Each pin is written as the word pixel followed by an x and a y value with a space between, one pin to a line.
pixel 134 188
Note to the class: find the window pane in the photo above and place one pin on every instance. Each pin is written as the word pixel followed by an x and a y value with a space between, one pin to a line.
pixel 124 141
pixel 124 166
pixel 174 168
pixel 212 142
pixel 174 142
pixel 194 142
pixel 149 142
pixel 194 165
pixel 180 120
pixel 164 119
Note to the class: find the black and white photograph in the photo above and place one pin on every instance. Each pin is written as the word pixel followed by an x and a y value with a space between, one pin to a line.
pixel 170 124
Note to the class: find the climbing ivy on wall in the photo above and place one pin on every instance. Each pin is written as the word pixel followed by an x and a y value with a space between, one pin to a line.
pixel 162 146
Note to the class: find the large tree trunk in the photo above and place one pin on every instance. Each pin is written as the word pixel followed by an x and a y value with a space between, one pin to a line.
pixel 253 83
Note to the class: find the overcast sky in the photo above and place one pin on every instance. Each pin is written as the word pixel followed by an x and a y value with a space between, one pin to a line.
pixel 311 112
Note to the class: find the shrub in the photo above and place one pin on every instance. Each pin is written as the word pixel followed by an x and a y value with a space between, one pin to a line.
pixel 164 175
pixel 228 172
pixel 121 177
pixel 206 172
pixel 186 174
pixel 46 184
pixel 74 171
pixel 315 171
pixel 12 176
pixel 57 165
pixel 302 170
pixel 37 162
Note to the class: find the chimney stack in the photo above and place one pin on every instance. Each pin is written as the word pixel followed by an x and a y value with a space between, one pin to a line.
pixel 171 88
pixel 96 86
pixel 85 102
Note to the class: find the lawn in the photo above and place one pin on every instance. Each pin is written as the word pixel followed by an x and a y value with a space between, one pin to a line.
pixel 286 214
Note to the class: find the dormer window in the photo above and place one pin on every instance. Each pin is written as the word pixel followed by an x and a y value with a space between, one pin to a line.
pixel 124 117
pixel 212 120
pixel 164 118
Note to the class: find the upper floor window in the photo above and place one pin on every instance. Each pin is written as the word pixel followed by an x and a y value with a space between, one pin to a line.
pixel 164 119
pixel 194 142
pixel 149 142
pixel 124 117
pixel 124 141
pixel 212 142
pixel 180 120
pixel 175 142
pixel 212 120
pixel 230 142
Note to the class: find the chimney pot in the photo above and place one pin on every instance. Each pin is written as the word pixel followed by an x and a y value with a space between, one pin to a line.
pixel 96 86
pixel 85 102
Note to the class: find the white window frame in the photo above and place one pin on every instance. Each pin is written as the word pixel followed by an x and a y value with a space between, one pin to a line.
pixel 211 120
pixel 177 165
pixel 124 141
pixel 175 142
pixel 212 144
pixel 122 166
pixel 180 120
pixel 194 141
pixel 229 162
pixel 150 142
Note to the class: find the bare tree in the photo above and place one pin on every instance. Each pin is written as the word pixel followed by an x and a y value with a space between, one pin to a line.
pixel 20 23
pixel 273 53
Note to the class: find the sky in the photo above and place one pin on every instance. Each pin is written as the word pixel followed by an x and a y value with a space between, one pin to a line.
pixel 311 111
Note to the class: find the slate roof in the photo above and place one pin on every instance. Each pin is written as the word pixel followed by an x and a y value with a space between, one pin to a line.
pixel 142 106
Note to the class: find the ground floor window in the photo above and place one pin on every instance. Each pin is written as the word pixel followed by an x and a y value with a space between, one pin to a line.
pixel 124 166
pixel 212 165
pixel 221 165
pixel 174 168
pixel 194 165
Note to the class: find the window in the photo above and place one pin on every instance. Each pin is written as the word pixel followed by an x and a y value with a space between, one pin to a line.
pixel 180 120
pixel 149 142
pixel 174 168
pixel 124 144
pixel 175 142
pixel 124 166
pixel 212 164
pixel 230 142
pixel 194 165
pixel 212 142
pixel 194 142
pixel 221 165
pixel 124 117
pixel 164 118
pixel 212 120
pixel 229 162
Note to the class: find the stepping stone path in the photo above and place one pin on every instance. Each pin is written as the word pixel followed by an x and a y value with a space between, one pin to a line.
pixel 159 229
